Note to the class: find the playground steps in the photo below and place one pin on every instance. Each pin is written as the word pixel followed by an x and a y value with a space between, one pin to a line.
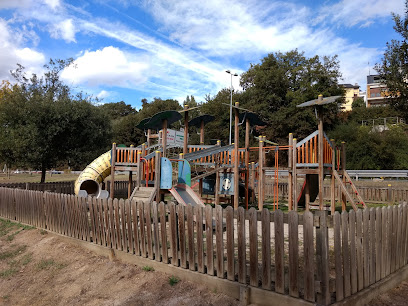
pixel 143 194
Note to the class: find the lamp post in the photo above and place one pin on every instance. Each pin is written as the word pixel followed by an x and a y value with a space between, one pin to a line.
pixel 230 126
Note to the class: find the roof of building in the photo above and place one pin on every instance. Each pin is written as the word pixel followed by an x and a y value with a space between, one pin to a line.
pixel 374 78
pixel 356 86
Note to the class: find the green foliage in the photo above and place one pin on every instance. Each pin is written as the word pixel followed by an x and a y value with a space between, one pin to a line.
pixel 283 80
pixel 357 103
pixel 173 280
pixel 117 110
pixel 218 106
pixel 369 149
pixel 43 125
pixel 148 268
pixel 393 69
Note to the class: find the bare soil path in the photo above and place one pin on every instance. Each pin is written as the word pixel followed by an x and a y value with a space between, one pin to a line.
pixel 39 268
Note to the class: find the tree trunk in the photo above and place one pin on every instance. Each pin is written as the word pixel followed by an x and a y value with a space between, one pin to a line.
pixel 43 171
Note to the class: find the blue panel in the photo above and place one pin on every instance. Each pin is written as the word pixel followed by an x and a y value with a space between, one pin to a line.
pixel 226 183
pixel 166 171
pixel 208 185
pixel 184 172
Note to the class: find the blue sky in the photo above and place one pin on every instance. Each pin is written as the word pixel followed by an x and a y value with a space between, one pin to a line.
pixel 134 49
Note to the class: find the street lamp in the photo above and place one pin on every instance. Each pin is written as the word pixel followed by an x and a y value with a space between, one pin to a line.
pixel 230 127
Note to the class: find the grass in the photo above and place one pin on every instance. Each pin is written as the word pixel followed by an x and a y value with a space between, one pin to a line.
pixel 148 268
pixel 173 280
pixel 46 264
pixel 13 253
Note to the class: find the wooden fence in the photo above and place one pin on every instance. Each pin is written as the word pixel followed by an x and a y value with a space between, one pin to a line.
pixel 58 187
pixel 315 257
pixel 369 194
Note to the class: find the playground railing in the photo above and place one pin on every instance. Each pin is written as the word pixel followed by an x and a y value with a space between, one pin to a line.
pixel 315 257
pixel 307 150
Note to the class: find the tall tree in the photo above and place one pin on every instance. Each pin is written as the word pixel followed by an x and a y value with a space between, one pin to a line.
pixel 394 66
pixel 281 81
pixel 43 124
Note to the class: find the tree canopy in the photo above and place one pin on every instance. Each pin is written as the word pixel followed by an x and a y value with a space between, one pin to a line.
pixel 44 124
pixel 393 68
pixel 281 81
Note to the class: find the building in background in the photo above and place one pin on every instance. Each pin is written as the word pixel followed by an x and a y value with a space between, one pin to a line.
pixel 352 93
pixel 376 91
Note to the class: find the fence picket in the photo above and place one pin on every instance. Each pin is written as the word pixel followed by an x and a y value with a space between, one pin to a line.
pixel 337 258
pixel 209 239
pixel 190 237
pixel 308 251
pixel 182 235
pixel 279 252
pixel 219 241
pixel 229 216
pixel 200 242
pixel 293 253
pixel 253 247
pixel 241 246
pixel 163 234
pixel 266 249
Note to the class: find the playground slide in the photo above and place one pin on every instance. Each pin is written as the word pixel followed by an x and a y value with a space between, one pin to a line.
pixel 313 180
pixel 185 194
pixel 93 175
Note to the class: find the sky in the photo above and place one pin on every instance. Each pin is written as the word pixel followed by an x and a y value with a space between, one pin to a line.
pixel 128 50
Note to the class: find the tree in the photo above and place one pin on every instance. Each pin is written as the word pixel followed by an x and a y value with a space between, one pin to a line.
pixel 117 110
pixel 282 81
pixel 357 103
pixel 393 68
pixel 43 124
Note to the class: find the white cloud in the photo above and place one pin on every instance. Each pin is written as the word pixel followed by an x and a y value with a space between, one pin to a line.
pixel 103 94
pixel 351 12
pixel 14 3
pixel 109 66
pixel 53 4
pixel 12 52
pixel 65 30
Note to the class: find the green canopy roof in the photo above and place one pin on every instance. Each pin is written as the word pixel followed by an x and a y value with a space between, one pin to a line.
pixel 156 122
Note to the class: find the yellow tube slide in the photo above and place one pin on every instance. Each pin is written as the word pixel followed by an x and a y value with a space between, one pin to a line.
pixel 94 174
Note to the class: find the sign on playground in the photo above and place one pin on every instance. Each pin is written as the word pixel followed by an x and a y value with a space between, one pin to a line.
pixel 175 137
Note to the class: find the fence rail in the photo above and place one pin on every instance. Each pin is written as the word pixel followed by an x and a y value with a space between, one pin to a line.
pixel 369 194
pixel 59 187
pixel 315 257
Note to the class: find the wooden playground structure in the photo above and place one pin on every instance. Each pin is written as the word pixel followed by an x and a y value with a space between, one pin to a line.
pixel 236 172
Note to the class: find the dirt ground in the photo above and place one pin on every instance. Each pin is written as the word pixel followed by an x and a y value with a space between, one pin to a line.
pixel 39 268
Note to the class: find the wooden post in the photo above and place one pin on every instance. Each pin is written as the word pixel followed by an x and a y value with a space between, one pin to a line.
pixel 164 137
pixel 307 194
pixel 294 175
pixel 149 134
pixel 112 183
pixel 247 128
pixel 236 160
pixel 185 129
pixel 130 172
pixel 333 181
pixel 260 175
pixel 139 170
pixel 320 154
pixel 290 177
pixel 343 168
pixel 142 173
pixel 202 132
pixel 157 176
pixel 253 181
